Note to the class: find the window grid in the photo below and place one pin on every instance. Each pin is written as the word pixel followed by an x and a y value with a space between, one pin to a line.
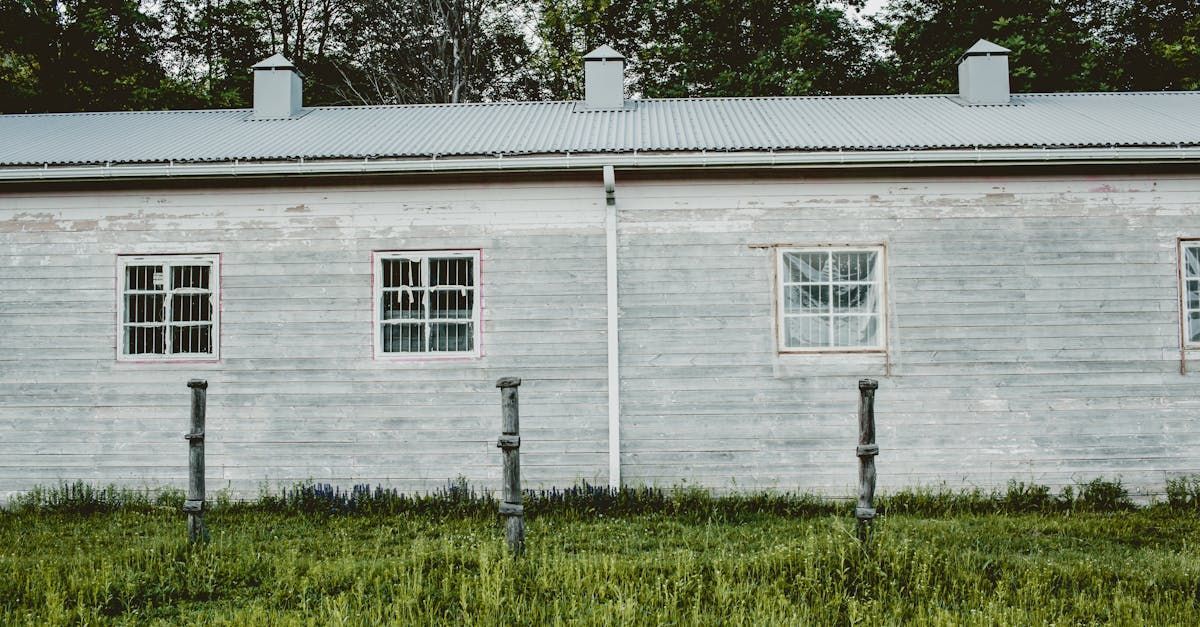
pixel 168 308
pixel 431 309
pixel 1189 259
pixel 829 289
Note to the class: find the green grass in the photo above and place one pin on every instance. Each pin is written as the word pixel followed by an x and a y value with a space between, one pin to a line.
pixel 597 559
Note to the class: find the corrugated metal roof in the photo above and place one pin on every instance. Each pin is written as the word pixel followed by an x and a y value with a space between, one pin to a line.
pixel 851 123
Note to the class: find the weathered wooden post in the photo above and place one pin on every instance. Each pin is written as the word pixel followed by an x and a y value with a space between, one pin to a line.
pixel 867 450
pixel 194 505
pixel 510 443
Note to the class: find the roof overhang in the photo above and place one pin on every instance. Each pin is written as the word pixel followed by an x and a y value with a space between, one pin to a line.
pixel 648 161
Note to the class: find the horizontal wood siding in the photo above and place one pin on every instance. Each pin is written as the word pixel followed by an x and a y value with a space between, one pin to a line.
pixel 297 395
pixel 1034 333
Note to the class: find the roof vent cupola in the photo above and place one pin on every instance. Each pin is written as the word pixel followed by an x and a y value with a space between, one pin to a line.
pixel 983 74
pixel 278 92
pixel 604 79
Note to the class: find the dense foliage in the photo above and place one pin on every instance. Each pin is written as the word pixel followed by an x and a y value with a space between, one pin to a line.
pixel 68 55
pixel 314 554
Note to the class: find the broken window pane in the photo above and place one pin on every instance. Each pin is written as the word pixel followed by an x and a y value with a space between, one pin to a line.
pixel 143 278
pixel 403 338
pixel 451 337
pixel 451 304
pixel 190 308
pixel 403 304
pixel 144 340
pixel 191 339
pixel 144 308
pixel 190 277
pixel 401 273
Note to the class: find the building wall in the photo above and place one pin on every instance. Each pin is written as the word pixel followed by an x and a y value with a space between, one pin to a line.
pixel 297 395
pixel 1034 332
pixel 1033 325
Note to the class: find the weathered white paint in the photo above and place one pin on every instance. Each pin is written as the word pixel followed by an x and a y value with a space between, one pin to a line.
pixel 1033 333
pixel 297 395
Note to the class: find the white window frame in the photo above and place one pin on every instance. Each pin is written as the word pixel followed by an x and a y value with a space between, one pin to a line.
pixel 1185 311
pixel 423 256
pixel 781 314
pixel 167 261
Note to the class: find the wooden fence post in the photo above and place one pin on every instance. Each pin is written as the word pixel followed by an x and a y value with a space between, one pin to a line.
pixel 510 443
pixel 194 505
pixel 867 450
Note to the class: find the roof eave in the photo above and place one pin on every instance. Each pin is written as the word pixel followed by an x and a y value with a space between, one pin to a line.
pixel 681 160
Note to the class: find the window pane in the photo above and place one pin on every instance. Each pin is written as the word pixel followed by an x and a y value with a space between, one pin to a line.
pixel 855 331
pixel 145 340
pixel 190 308
pixel 192 277
pixel 451 304
pixel 854 298
pixel 806 331
pixel 853 266
pixel 403 338
pixel 451 271
pixel 143 278
pixel 1193 328
pixel 452 337
pixel 144 307
pixel 806 267
pixel 807 299
pixel 401 273
pixel 191 339
pixel 1193 294
pixel 406 304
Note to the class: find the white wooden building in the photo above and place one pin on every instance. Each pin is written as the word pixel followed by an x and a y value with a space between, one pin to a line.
pixel 690 289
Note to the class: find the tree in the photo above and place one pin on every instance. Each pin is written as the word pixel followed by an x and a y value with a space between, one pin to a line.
pixel 73 55
pixel 1054 43
pixel 405 51
pixel 1157 44
pixel 757 48
pixel 710 47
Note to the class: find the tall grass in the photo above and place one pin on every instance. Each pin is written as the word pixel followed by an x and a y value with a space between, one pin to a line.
pixel 459 499
pixel 133 565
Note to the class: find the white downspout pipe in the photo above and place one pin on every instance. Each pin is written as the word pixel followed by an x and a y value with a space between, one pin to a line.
pixel 614 367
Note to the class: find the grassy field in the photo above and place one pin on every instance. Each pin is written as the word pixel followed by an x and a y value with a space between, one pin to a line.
pixel 709 562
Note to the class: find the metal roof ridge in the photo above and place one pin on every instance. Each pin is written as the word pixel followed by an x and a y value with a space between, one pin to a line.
pixel 553 103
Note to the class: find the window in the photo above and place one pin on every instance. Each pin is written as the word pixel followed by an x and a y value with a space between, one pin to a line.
pixel 1189 261
pixel 427 303
pixel 831 299
pixel 167 307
